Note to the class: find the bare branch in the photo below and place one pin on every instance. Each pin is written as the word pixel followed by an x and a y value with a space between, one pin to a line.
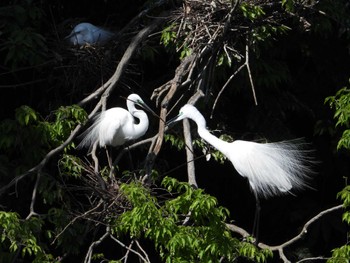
pixel 249 72
pixel 32 203
pixel 142 250
pixel 189 153
pixel 94 244
pixel 154 150
pixel 129 249
pixel 223 88
pixel 76 218
pixel 280 248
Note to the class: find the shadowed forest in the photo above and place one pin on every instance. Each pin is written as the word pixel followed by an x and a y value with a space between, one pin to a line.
pixel 257 70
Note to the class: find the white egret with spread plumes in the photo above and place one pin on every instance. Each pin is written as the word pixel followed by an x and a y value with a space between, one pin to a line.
pixel 271 168
pixel 86 33
pixel 116 126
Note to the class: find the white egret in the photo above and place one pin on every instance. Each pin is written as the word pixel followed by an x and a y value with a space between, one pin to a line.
pixel 271 168
pixel 86 33
pixel 116 126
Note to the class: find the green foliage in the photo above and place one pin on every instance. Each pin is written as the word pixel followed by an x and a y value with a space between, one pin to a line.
pixel 25 115
pixel 24 140
pixel 169 40
pixel 27 138
pixel 264 31
pixel 67 118
pixel 21 40
pixel 209 151
pixel 340 255
pixel 288 5
pixel 250 11
pixel 168 35
pixel 19 234
pixel 176 141
pixel 70 165
pixel 268 31
pixel 187 228
pixel 344 195
pixel 341 104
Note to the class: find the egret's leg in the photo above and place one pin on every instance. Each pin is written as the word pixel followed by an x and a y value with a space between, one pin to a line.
pixel 109 157
pixel 96 168
pixel 256 218
pixel 130 159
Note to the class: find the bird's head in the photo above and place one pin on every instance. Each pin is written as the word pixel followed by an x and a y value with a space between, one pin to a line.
pixel 187 111
pixel 134 99
pixel 82 34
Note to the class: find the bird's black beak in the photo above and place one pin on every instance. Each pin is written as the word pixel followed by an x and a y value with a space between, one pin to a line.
pixel 145 106
pixel 172 121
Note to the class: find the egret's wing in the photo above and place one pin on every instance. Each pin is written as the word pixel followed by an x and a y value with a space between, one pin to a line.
pixel 110 132
pixel 113 127
pixel 271 168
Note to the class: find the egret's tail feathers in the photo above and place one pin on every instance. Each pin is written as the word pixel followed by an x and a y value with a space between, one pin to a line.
pixel 274 168
pixel 90 135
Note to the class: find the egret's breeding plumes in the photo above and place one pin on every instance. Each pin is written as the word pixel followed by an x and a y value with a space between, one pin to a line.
pixel 271 168
pixel 86 33
pixel 116 126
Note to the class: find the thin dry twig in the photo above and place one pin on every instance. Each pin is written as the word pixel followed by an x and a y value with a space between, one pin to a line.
pixel 94 244
pixel 129 249
pixel 76 218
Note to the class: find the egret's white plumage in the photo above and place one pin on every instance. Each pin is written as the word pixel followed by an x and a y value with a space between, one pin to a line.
pixel 86 33
pixel 116 126
pixel 271 168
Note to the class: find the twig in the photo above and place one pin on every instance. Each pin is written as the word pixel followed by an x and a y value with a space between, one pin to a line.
pixel 245 64
pixel 224 87
pixel 143 251
pixel 94 244
pixel 249 72
pixel 76 218
pixel 35 190
pixel 128 248
pixel 313 258
pixel 305 228
pixel 280 248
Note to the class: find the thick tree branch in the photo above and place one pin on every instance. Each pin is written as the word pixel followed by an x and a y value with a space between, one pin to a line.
pixel 189 154
pixel 154 150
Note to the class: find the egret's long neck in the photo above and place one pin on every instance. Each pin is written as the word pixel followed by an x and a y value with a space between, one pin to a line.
pixel 213 140
pixel 206 135
pixel 140 128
